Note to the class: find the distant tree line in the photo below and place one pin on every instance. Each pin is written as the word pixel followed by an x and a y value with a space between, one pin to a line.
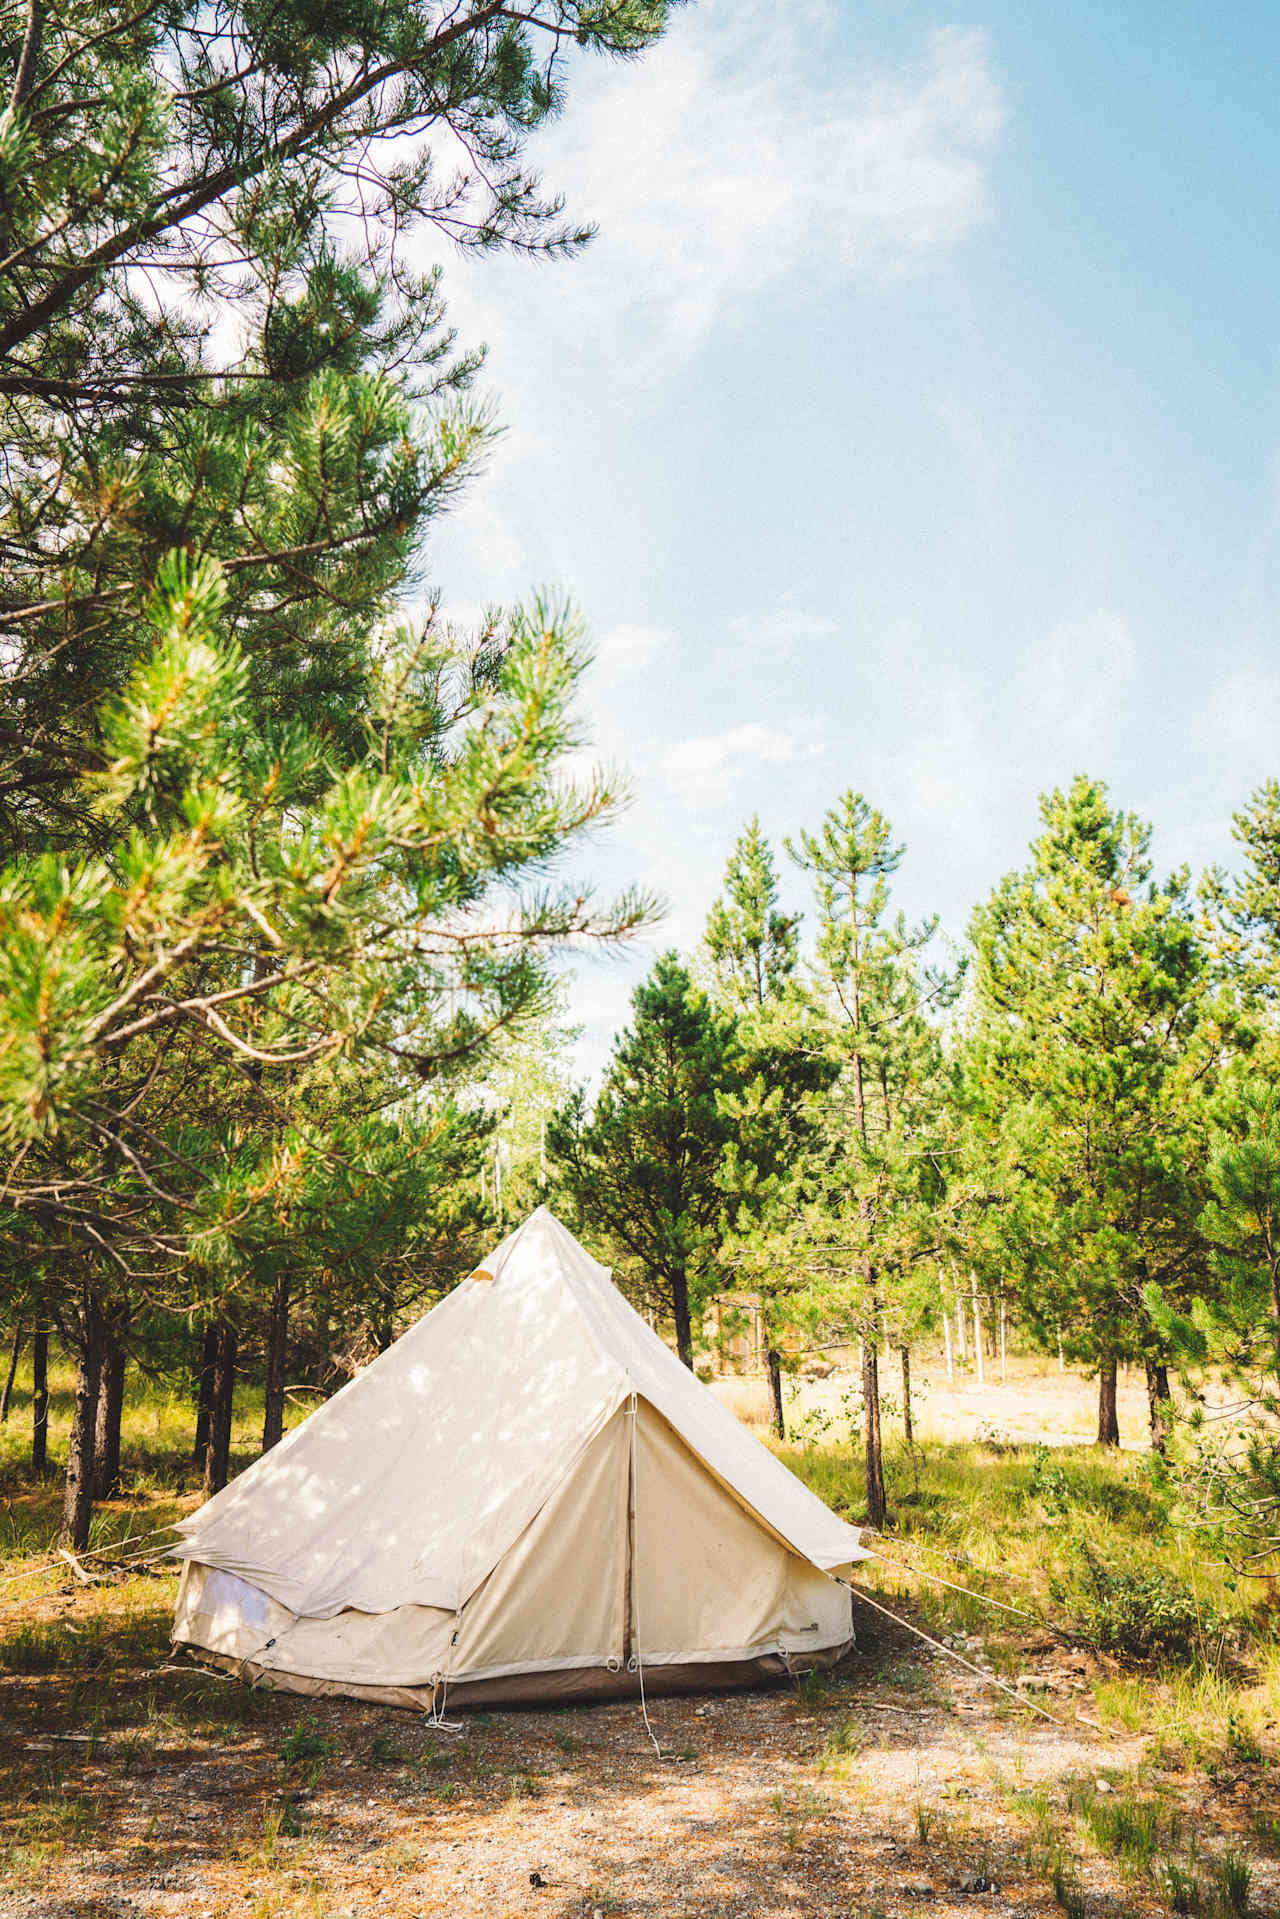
pixel 1077 1115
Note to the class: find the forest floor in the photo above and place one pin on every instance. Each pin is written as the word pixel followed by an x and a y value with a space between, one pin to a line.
pixel 141 1787
pixel 1037 1403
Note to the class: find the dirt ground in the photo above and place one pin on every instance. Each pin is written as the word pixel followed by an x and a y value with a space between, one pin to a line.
pixel 1037 1402
pixel 134 1786
pixel 771 1803
pixel 900 1786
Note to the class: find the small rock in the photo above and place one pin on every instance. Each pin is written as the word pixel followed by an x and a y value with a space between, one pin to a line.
pixel 976 1882
pixel 1103 1785
pixel 915 1889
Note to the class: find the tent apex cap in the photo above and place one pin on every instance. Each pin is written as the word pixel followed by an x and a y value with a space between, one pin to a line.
pixel 491 1268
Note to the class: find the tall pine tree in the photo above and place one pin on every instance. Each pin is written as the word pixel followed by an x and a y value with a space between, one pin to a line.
pixel 753 946
pixel 253 819
pixel 1096 1033
pixel 872 1184
pixel 641 1169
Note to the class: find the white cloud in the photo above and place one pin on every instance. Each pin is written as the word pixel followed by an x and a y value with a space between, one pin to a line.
pixel 706 772
pixel 715 170
pixel 1195 843
pixel 623 651
pixel 1074 687
pixel 782 630
pixel 1244 712
pixel 712 179
pixel 941 782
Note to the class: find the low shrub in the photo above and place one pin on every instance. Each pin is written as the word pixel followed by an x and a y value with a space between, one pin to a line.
pixel 1138 1613
pixel 305 1742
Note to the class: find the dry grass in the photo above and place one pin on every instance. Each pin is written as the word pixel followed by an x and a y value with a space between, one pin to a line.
pixel 129 1787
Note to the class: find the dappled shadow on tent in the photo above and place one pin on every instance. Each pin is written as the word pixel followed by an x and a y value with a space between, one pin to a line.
pixel 407 1485
pixel 356 1553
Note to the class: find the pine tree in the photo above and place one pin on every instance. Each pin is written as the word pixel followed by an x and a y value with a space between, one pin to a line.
pixel 1231 1482
pixel 1097 1030
pixel 641 1169
pixel 1249 909
pixel 873 1184
pixel 754 950
pixel 254 821
pixel 212 338
pixel 753 946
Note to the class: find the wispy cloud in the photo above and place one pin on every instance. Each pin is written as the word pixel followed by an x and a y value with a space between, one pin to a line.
pixel 782 630
pixel 622 651
pixel 712 177
pixel 709 771
pixel 715 171
pixel 1243 712
pixel 1074 687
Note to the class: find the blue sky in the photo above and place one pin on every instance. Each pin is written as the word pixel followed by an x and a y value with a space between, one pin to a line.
pixel 913 425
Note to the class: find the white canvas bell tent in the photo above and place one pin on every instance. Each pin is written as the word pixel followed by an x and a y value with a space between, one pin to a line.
pixel 527 1496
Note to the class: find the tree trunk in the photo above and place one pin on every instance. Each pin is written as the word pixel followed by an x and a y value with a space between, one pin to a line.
pixel 684 1324
pixel 773 1360
pixel 961 1342
pixel 106 1440
pixel 946 1340
pixel 320 1356
pixel 1159 1399
pixel 1108 1418
pixel 977 1329
pixel 1004 1349
pixel 217 1459
pixel 871 1424
pixel 277 1347
pixel 907 1431
pixel 204 1392
pixel 77 1496
pixel 15 1354
pixel 384 1331
pixel 39 1399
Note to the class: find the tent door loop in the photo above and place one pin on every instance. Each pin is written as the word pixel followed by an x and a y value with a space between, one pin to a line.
pixel 635 1662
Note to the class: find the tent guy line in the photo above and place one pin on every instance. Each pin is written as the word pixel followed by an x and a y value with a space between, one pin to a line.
pixel 101 1556
pixel 987 1678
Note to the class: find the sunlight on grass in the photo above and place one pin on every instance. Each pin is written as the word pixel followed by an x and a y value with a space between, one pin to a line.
pixel 1123 1702
pixel 53 1818
pixel 1020 1524
pixel 1079 1539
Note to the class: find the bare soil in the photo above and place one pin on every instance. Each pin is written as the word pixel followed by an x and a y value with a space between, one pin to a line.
pixel 1037 1403
pixel 888 1791
pixel 136 1787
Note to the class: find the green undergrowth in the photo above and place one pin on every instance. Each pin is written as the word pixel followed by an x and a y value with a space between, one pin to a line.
pixel 1166 1650
pixel 1140 1630
pixel 1084 1542
pixel 156 1440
